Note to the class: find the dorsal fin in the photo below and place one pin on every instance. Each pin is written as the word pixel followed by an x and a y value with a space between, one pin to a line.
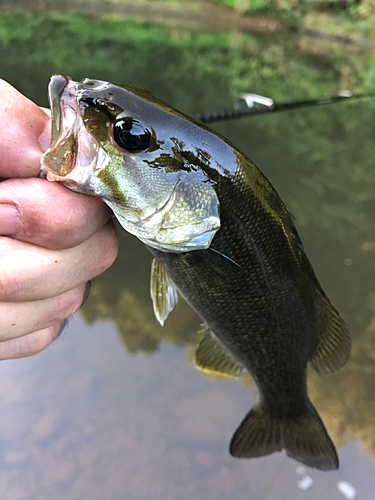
pixel 333 347
pixel 163 292
pixel 212 356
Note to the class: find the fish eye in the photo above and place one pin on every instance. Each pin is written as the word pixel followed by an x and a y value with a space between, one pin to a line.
pixel 131 135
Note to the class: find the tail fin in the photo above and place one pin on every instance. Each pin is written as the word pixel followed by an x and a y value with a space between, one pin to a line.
pixel 304 438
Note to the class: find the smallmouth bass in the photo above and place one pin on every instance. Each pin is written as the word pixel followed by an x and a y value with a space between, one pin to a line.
pixel 222 237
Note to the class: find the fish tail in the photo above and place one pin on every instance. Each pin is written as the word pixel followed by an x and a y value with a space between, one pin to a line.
pixel 304 438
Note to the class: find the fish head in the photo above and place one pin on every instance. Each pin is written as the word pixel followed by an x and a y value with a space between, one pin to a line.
pixel 135 152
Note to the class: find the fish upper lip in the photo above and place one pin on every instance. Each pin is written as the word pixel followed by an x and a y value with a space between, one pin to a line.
pixel 61 89
pixel 62 93
pixel 73 151
pixel 63 100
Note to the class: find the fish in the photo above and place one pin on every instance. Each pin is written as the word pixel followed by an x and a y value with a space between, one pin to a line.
pixel 222 238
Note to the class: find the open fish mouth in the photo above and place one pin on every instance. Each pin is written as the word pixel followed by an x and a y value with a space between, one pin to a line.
pixel 61 155
pixel 73 151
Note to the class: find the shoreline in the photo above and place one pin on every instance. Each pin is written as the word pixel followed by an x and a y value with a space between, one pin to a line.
pixel 207 17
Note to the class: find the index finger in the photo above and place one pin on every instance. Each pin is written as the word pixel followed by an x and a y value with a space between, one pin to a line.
pixel 48 214
pixel 24 133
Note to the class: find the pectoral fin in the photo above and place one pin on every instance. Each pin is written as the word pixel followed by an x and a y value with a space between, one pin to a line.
pixel 163 292
pixel 212 356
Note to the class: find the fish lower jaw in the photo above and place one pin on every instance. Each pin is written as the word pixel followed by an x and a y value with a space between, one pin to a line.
pixel 70 184
pixel 53 177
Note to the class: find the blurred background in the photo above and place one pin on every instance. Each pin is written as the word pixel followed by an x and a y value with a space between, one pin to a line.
pixel 115 409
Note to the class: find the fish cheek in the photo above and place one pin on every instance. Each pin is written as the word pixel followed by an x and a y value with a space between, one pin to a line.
pixel 131 188
pixel 114 192
pixel 193 219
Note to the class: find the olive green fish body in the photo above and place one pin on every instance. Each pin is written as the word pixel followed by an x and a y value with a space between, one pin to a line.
pixel 256 291
pixel 244 293
pixel 222 237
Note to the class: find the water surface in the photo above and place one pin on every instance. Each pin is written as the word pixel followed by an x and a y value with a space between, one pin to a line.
pixel 115 409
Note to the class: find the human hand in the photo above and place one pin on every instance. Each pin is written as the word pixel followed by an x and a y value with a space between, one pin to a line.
pixel 52 240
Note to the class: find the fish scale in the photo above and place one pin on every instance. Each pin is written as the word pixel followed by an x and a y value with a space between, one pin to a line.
pixel 222 237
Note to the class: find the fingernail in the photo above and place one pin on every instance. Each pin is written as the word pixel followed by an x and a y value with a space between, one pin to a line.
pixel 8 219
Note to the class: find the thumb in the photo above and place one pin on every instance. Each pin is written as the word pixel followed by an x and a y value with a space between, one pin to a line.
pixel 24 133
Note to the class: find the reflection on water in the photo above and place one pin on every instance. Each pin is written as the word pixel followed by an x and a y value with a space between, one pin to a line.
pixel 89 419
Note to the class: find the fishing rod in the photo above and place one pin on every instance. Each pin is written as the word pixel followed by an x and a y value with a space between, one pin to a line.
pixel 249 104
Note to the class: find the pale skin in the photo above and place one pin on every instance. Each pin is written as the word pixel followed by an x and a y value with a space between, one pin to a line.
pixel 52 241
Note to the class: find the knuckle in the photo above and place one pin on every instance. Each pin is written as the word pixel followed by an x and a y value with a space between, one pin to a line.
pixel 6 99
pixel 35 342
pixel 105 243
pixel 69 302
pixel 108 247
pixel 29 344
pixel 75 220
pixel 67 229
pixel 10 285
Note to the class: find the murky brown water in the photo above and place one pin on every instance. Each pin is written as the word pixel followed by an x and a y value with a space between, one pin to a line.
pixel 115 409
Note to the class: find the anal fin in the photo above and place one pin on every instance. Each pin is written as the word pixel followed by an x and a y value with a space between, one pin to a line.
pixel 333 346
pixel 212 356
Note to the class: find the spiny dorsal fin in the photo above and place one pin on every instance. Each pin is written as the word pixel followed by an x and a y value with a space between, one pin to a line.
pixel 212 356
pixel 163 292
pixel 333 347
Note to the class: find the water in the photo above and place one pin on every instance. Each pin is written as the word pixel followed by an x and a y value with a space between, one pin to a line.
pixel 115 409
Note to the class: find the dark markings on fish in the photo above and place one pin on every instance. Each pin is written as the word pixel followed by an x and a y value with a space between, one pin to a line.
pixel 245 272
pixel 117 195
pixel 169 163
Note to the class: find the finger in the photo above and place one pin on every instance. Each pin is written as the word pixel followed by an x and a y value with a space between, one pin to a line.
pixel 48 214
pixel 29 272
pixel 21 318
pixel 24 133
pixel 29 344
